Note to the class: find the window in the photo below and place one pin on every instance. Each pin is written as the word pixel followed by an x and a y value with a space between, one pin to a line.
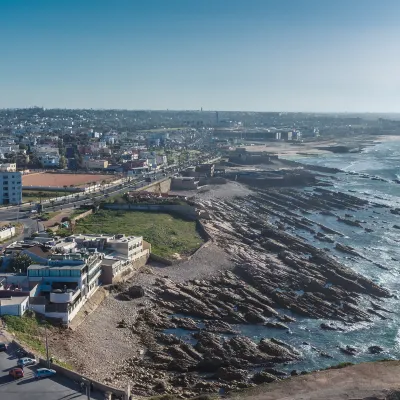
pixel 65 272
pixel 75 272
pixel 33 272
pixel 54 272
pixel 43 272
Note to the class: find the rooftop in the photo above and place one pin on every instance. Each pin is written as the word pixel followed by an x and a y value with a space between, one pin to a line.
pixel 10 301
pixel 66 267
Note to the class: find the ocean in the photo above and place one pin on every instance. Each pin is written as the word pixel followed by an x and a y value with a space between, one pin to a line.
pixel 359 178
pixel 368 175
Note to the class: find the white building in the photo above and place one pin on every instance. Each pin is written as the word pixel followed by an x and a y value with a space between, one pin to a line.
pixel 8 167
pixel 10 188
pixel 66 283
pixel 49 160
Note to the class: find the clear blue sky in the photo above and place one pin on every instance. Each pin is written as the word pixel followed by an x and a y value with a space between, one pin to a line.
pixel 261 55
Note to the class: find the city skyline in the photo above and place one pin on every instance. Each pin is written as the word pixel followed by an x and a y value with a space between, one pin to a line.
pixel 220 55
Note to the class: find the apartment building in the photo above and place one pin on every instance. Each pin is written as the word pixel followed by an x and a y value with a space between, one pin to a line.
pixel 66 282
pixel 10 187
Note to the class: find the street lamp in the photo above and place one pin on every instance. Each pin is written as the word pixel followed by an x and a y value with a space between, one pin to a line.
pixel 47 344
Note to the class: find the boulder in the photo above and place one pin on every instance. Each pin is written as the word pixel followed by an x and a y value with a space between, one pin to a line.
pixel 231 374
pixel 135 292
pixel 375 349
pixel 263 377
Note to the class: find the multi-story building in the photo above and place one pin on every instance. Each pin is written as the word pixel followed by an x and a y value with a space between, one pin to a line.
pixel 120 252
pixel 10 188
pixel 65 283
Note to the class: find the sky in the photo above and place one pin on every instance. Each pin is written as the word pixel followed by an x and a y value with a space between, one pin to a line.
pixel 250 55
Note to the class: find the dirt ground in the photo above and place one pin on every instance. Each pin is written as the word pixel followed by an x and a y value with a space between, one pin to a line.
pixel 59 180
pixel 363 381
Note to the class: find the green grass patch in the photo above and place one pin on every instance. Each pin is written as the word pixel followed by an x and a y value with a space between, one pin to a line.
pixel 29 331
pixel 49 215
pixel 36 195
pixel 341 365
pixel 166 233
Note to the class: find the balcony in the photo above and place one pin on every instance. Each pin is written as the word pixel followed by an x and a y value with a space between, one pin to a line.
pixel 68 296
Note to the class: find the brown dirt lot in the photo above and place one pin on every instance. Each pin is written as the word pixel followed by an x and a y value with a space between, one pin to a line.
pixel 367 381
pixel 57 180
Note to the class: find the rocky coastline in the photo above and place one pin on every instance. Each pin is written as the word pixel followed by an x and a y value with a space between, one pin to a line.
pixel 189 329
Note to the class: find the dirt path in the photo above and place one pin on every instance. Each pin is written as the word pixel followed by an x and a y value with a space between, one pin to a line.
pixel 368 380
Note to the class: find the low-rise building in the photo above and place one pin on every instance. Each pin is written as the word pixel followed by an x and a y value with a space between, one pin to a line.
pixel 8 167
pixel 95 164
pixel 184 183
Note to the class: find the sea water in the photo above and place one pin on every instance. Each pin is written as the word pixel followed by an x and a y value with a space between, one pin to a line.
pixel 381 245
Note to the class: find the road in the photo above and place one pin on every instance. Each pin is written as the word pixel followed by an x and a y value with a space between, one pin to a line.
pixel 27 388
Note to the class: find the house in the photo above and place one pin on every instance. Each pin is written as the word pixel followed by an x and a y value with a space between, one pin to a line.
pixel 184 183
pixel 206 169
pixel 11 304
pixel 94 164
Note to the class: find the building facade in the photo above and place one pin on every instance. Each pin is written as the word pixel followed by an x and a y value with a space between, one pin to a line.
pixel 10 188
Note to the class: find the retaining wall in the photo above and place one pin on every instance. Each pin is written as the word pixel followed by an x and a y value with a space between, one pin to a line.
pixel 83 215
pixel 164 185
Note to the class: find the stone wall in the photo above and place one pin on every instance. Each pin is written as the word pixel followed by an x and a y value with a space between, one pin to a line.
pixel 83 215
pixel 164 186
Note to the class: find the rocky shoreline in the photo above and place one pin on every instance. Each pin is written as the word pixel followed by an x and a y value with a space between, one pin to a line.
pixel 189 328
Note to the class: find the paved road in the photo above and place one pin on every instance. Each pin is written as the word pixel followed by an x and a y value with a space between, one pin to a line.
pixel 27 388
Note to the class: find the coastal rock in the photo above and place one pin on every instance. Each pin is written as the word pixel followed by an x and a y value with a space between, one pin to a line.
pixel 231 374
pixel 276 325
pixel 263 377
pixel 375 349
pixel 330 327
pixel 275 350
pixel 348 350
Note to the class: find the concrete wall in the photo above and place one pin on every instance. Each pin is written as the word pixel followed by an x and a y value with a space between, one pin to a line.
pixel 75 377
pixel 186 211
pixel 7 233
pixel 165 186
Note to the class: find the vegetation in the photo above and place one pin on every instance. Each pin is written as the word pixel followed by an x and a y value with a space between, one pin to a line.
pixel 20 263
pixel 29 330
pixel 77 212
pixel 341 365
pixel 167 234
pixel 36 196
pixel 49 215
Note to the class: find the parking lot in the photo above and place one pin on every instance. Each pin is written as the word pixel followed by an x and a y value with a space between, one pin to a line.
pixel 27 388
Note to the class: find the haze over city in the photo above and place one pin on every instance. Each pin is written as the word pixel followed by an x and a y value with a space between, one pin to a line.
pixel 257 55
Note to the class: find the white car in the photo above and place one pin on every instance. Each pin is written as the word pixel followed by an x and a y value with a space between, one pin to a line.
pixel 25 361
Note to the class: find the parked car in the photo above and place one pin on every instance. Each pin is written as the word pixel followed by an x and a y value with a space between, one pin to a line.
pixel 44 373
pixel 23 362
pixel 16 373
pixel 3 347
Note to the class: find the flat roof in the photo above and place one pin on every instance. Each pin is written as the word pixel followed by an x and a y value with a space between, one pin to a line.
pixel 38 266
pixel 12 300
